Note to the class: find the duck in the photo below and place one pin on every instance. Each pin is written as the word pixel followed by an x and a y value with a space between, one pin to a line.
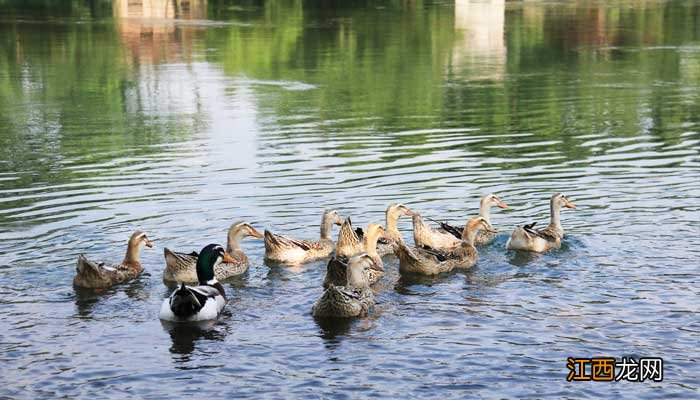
pixel 94 275
pixel 449 235
pixel 205 301
pixel 428 261
pixel 528 238
pixel 353 299
pixel 337 266
pixel 391 233
pixel 181 267
pixel 291 251
pixel 429 237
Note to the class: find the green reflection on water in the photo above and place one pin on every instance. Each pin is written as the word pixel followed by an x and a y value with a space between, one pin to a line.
pixel 79 81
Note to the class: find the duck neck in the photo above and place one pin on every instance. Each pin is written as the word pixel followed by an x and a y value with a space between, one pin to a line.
pixel 391 221
pixel 485 210
pixel 326 227
pixel 234 241
pixel 554 215
pixel 370 243
pixel 469 234
pixel 133 255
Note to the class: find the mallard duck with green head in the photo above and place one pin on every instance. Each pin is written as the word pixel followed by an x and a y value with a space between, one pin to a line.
pixel 202 302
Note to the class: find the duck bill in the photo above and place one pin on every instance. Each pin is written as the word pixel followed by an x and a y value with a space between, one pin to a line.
pixel 501 204
pixel 409 213
pixel 254 233
pixel 228 259
pixel 489 228
pixel 339 221
pixel 377 267
pixel 570 204
pixel 149 244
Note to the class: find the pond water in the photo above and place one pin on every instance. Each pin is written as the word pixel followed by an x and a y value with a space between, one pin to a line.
pixel 181 117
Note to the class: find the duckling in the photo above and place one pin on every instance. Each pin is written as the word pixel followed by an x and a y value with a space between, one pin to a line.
pixel 293 251
pixel 354 299
pixel 181 267
pixel 428 261
pixel 90 274
pixel 202 302
pixel 482 238
pixel 337 266
pixel 530 239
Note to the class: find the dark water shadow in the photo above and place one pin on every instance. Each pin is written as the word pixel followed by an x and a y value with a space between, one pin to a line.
pixel 521 258
pixel 333 328
pixel 185 336
pixel 406 280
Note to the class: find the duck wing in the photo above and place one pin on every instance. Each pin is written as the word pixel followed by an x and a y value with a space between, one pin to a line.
pixel 438 254
pixel 549 234
pixel 283 241
pixel 451 229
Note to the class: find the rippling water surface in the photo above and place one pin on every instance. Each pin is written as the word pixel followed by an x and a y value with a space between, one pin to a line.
pixel 181 117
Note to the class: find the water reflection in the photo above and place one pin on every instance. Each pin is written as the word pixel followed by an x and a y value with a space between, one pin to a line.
pixel 334 327
pixel 185 336
pixel 479 50
pixel 148 31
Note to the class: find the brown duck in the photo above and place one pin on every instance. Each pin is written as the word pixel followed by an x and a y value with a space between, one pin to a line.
pixel 94 275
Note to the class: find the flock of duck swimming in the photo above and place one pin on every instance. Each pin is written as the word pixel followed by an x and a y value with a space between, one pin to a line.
pixel 355 264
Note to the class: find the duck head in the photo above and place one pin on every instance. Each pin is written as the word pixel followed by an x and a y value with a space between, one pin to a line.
pixel 559 200
pixel 373 232
pixel 394 212
pixel 474 225
pixel 491 200
pixel 137 241
pixel 356 266
pixel 239 231
pixel 211 256
pixel 330 217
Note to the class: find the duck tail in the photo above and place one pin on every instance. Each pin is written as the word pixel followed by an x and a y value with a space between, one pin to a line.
pixel 348 241
pixel 184 302
pixel 403 252
pixel 86 267
pixel 529 228
pixel 271 241
pixel 173 258
pixel 420 228
pixel 453 230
